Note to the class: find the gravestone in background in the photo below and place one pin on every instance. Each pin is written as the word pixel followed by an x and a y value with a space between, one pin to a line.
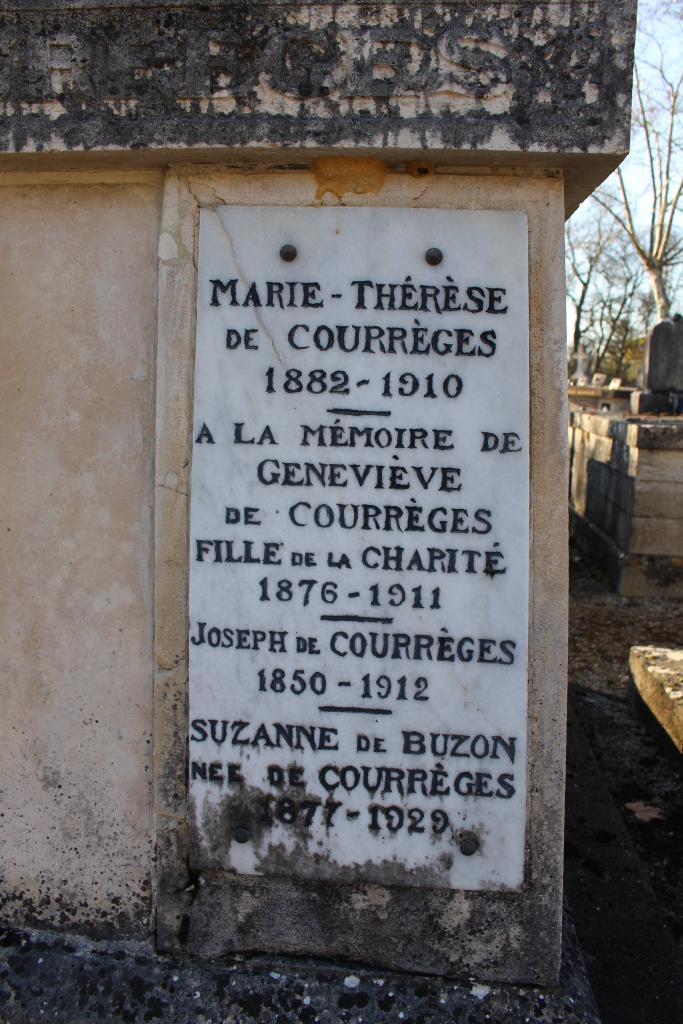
pixel 664 370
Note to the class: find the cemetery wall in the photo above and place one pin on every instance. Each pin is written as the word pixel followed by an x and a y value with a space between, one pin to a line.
pixel 626 494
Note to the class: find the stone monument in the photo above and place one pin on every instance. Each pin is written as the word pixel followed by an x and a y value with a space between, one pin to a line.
pixel 300 461
pixel 663 370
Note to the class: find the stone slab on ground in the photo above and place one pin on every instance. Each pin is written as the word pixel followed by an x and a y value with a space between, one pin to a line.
pixel 657 674
pixel 44 976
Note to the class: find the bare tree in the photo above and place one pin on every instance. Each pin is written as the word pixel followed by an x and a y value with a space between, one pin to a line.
pixel 616 336
pixel 586 246
pixel 605 286
pixel 655 238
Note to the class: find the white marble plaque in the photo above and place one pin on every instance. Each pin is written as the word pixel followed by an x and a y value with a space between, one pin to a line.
pixel 359 546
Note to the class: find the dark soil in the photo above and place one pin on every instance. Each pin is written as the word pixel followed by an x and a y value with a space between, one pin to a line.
pixel 624 864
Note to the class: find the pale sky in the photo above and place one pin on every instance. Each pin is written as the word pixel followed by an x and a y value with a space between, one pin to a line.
pixel 660 36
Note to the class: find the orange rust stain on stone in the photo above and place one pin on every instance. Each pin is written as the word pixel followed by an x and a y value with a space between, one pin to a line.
pixel 342 174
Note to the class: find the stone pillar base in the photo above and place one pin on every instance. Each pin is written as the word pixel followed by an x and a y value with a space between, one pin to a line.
pixel 45 976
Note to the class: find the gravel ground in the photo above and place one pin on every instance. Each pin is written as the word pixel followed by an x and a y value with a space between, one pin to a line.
pixel 604 626
pixel 641 778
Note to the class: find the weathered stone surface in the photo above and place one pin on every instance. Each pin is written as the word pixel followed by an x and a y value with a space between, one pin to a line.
pixel 77 288
pixel 592 422
pixel 503 935
pixel 627 478
pixel 606 482
pixel 657 466
pixel 665 433
pixel 43 977
pixel 657 673
pixel 590 457
pixel 656 498
pixel 632 575
pixel 512 79
pixel 608 517
pixel 454 934
pixel 655 535
pixel 664 370
pixel 649 401
pixel 640 521
pixel 627 481
pixel 650 576
pixel 635 431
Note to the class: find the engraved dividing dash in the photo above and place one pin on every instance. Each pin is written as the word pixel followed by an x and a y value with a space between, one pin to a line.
pixel 355 618
pixel 359 412
pixel 336 710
